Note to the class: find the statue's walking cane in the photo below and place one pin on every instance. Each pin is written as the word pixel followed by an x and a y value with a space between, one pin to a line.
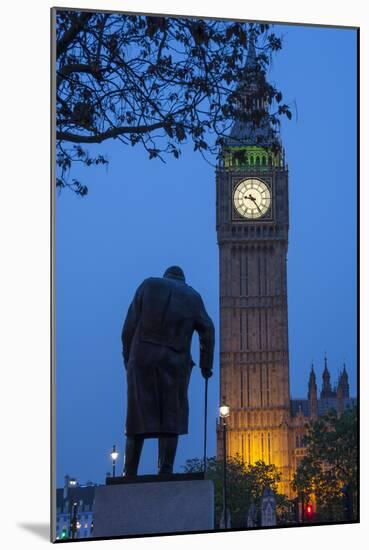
pixel 206 420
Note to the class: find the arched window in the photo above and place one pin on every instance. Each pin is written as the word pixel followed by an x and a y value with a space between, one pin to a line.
pixel 264 160
pixel 258 160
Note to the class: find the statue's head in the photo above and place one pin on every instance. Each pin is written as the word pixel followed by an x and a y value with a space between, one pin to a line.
pixel 174 272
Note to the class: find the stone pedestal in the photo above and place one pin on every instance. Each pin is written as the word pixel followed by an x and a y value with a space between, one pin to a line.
pixel 153 507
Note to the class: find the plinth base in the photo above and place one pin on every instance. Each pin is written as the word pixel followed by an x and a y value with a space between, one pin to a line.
pixel 153 507
pixel 153 478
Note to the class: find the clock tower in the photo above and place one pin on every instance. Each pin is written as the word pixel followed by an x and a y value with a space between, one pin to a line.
pixel 252 230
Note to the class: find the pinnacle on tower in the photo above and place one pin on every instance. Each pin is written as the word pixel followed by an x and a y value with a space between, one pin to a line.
pixel 312 394
pixel 344 372
pixel 343 385
pixel 312 372
pixel 327 388
pixel 251 59
pixel 326 375
pixel 253 91
pixel 312 383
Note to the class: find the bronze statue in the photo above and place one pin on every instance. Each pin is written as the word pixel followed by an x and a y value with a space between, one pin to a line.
pixel 156 339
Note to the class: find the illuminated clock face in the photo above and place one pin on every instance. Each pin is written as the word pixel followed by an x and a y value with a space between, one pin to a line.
pixel 252 198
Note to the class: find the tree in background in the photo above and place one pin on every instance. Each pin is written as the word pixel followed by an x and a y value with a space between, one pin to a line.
pixel 328 471
pixel 153 81
pixel 246 483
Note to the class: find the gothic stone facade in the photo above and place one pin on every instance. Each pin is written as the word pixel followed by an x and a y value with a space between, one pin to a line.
pixel 253 318
pixel 309 409
pixel 252 230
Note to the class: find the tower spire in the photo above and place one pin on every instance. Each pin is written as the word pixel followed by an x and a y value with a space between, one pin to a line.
pixel 312 394
pixel 312 382
pixel 252 130
pixel 251 59
pixel 343 384
pixel 327 388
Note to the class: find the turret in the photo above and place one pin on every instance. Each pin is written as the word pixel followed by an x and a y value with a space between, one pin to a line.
pixel 313 394
pixel 327 388
pixel 340 403
pixel 343 385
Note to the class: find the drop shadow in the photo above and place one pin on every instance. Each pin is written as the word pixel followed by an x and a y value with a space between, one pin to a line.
pixel 42 530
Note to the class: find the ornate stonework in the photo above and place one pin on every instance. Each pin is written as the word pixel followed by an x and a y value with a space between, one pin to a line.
pixel 264 424
pixel 253 319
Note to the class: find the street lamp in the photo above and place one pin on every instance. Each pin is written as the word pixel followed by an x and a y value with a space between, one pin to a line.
pixel 224 413
pixel 302 507
pixel 74 520
pixel 114 455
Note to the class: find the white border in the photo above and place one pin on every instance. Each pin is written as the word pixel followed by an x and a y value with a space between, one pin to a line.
pixel 24 298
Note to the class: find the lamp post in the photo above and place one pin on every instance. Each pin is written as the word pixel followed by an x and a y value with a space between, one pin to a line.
pixel 224 413
pixel 74 521
pixel 302 507
pixel 114 455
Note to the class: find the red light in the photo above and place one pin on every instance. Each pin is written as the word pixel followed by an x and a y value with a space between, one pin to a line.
pixel 309 509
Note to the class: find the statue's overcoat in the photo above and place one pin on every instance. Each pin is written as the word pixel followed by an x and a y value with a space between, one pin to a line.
pixel 156 340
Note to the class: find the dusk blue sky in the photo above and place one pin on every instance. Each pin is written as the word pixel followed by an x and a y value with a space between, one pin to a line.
pixel 141 216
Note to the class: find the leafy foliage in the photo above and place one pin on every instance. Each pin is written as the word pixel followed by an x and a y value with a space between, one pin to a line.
pixel 153 81
pixel 246 483
pixel 330 465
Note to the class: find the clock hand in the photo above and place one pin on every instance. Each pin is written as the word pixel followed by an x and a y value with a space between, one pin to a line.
pixel 253 200
pixel 250 197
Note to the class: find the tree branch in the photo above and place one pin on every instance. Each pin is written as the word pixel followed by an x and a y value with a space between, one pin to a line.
pixel 78 68
pixel 112 133
pixel 72 32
